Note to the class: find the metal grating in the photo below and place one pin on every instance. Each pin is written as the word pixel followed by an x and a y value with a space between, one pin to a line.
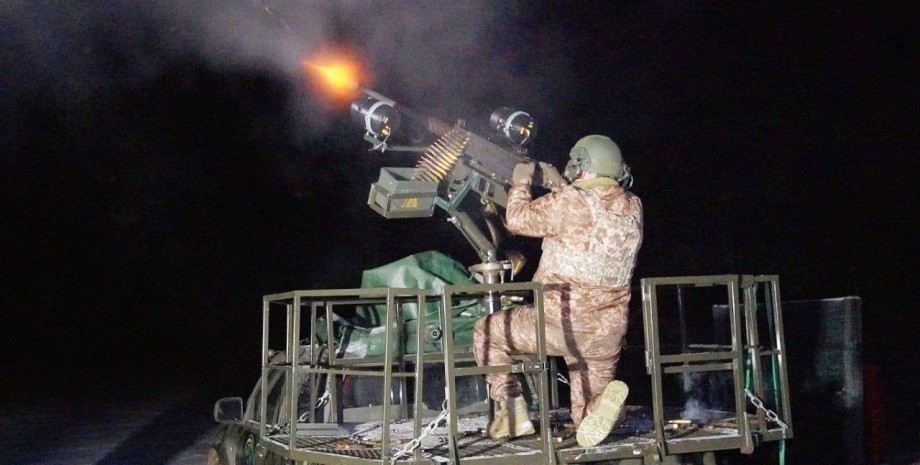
pixel 333 445
pixel 636 433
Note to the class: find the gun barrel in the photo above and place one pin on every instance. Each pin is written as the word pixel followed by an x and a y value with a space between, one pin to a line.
pixel 376 95
pixel 493 161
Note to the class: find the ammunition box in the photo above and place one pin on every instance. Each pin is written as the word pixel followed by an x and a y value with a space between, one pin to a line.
pixel 396 195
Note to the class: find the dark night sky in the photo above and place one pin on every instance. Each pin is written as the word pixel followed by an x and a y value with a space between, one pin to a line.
pixel 164 165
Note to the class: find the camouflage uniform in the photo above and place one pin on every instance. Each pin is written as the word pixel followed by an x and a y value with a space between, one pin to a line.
pixel 592 234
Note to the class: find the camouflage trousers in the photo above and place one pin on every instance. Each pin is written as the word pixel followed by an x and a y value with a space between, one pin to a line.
pixel 590 344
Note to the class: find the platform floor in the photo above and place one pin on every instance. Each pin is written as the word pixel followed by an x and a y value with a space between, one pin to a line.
pixel 631 438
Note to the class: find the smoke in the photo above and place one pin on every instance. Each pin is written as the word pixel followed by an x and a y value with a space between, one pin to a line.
pixel 456 56
pixel 84 48
pixel 708 396
pixel 153 111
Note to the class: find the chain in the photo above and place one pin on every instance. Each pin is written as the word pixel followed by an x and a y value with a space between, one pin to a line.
pixel 319 402
pixel 771 415
pixel 413 444
pixel 562 379
pixel 324 398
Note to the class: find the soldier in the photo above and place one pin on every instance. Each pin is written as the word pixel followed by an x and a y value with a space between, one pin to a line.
pixel 591 231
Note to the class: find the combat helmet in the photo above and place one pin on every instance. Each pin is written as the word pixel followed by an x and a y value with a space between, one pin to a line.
pixel 600 155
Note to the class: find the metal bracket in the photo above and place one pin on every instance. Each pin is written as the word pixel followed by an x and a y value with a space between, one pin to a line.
pixel 457 196
pixel 529 367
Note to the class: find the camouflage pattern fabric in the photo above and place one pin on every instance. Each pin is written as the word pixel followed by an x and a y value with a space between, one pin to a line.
pixel 590 240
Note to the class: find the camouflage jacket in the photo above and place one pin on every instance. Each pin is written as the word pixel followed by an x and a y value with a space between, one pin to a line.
pixel 590 237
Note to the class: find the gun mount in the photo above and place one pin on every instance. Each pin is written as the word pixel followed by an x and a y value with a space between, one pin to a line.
pixel 458 163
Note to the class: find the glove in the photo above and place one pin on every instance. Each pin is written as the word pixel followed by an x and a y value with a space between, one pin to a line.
pixel 523 173
pixel 549 176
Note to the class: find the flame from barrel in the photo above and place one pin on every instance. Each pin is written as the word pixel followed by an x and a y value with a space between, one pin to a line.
pixel 338 75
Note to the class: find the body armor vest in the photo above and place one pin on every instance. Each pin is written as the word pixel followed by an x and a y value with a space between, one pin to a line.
pixel 612 249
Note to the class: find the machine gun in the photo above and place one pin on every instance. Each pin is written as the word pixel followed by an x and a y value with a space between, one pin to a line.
pixel 457 164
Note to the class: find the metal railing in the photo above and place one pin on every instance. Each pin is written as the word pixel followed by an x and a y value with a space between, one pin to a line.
pixel 741 357
pixel 303 362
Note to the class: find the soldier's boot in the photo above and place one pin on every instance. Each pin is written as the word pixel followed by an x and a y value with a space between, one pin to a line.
pixel 605 413
pixel 513 420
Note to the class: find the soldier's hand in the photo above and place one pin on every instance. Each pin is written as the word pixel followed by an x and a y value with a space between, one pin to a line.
pixel 549 176
pixel 523 173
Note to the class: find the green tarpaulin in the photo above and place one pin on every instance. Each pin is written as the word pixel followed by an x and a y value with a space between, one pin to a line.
pixel 364 335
